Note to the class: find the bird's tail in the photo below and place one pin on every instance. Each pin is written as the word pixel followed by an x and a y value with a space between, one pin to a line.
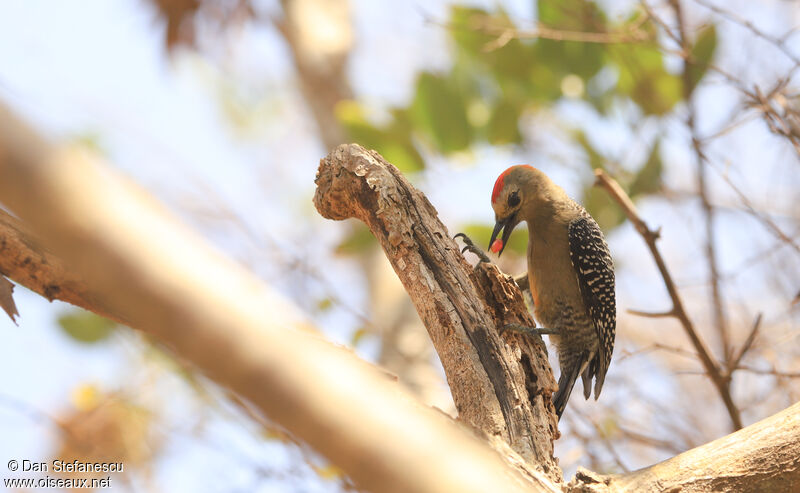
pixel 565 383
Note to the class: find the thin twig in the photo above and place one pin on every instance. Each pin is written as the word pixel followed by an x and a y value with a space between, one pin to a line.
pixel 505 33
pixel 781 117
pixel 649 441
pixel 780 43
pixel 603 435
pixel 768 223
pixel 701 161
pixel 773 372
pixel 675 350
pixel 748 343
pixel 721 383
pixel 639 313
pixel 776 121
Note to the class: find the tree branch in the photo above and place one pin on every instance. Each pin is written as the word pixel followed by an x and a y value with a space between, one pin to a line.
pixel 147 268
pixel 701 162
pixel 761 457
pixel 721 383
pixel 24 260
pixel 503 390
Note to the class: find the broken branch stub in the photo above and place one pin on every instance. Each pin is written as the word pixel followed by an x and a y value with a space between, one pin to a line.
pixel 501 389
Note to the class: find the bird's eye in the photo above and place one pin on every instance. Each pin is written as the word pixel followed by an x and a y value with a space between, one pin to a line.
pixel 513 199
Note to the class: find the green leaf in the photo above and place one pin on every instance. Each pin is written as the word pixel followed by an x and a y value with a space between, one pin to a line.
pixel 702 54
pixel 475 31
pixel 358 241
pixel 571 15
pixel 439 111
pixel 86 327
pixel 648 179
pixel 643 77
pixel 593 157
pixel 571 57
pixel 466 30
pixel 503 126
pixel 393 141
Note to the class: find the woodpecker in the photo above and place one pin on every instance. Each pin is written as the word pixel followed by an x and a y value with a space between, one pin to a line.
pixel 570 275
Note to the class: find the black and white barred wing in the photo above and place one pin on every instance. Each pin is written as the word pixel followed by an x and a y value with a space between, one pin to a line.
pixel 595 271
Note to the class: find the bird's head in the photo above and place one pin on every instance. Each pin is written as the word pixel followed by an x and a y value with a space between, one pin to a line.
pixel 514 189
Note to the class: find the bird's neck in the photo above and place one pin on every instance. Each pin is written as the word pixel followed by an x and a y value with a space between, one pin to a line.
pixel 544 212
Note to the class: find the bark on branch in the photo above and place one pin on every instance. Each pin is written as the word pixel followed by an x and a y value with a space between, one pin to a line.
pixel 763 457
pixel 26 261
pixel 500 388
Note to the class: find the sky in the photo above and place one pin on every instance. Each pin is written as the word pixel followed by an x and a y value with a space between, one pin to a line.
pixel 97 70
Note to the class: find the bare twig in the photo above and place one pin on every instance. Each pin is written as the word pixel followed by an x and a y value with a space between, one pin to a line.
pixel 653 442
pixel 779 42
pixel 721 383
pixel 765 220
pixel 774 372
pixel 701 162
pixel 675 350
pixel 781 116
pixel 633 33
pixel 748 343
pixel 639 313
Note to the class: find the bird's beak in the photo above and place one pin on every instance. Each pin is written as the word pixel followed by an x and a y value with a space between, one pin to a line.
pixel 506 225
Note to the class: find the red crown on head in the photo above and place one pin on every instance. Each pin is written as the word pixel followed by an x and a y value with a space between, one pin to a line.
pixel 498 185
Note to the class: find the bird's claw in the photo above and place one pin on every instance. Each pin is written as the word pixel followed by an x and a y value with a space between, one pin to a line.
pixel 470 246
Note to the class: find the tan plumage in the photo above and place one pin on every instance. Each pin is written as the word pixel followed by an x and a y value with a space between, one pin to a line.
pixel 570 274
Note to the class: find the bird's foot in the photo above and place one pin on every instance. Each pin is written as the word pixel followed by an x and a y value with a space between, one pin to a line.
pixel 470 246
pixel 522 329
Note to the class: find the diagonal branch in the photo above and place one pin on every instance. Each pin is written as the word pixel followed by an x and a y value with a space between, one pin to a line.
pixel 503 390
pixel 148 268
pixel 24 260
pixel 720 381
pixel 762 457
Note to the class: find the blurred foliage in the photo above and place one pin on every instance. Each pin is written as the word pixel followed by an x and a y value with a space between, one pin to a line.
pixel 702 54
pixel 86 327
pixel 498 76
pixel 106 427
pixel 358 336
pixel 357 241
pixel 494 83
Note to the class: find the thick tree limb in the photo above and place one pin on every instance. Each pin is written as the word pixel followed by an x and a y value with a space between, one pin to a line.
pixel 764 457
pixel 503 390
pixel 151 271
